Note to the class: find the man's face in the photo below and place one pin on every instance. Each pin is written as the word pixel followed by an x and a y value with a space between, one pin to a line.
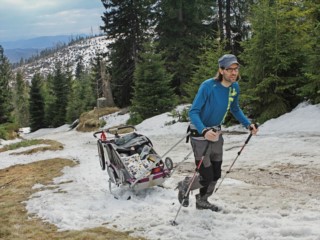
pixel 231 73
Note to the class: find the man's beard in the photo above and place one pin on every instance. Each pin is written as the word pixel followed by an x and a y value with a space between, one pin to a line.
pixel 229 79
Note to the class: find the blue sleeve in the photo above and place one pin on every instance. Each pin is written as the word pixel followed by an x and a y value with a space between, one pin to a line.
pixel 196 107
pixel 236 110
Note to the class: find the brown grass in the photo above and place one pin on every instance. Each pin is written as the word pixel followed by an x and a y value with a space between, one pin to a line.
pixel 52 145
pixel 89 121
pixel 16 187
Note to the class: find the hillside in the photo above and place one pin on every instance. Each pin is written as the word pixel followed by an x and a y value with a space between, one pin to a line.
pixel 27 48
pixel 87 49
pixel 271 193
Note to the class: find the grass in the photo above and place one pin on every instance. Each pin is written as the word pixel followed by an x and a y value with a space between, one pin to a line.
pixel 90 122
pixel 8 131
pixel 16 184
pixel 52 145
pixel 16 187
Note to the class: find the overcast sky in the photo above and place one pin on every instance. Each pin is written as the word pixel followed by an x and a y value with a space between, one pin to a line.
pixel 23 19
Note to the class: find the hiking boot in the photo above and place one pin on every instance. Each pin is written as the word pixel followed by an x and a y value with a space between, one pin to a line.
pixel 183 188
pixel 202 203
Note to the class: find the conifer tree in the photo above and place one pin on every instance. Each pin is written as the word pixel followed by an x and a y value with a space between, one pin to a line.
pixel 36 103
pixel 273 57
pixel 75 104
pixel 96 80
pixel 80 68
pixel 310 89
pixel 49 99
pixel 21 100
pixel 81 98
pixel 233 23
pixel 180 29
pixel 152 92
pixel 89 100
pixel 60 90
pixel 207 67
pixel 127 24
pixel 5 90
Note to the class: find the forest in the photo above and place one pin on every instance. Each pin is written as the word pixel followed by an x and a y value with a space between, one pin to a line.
pixel 160 51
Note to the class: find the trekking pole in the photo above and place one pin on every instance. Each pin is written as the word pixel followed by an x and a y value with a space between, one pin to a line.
pixel 173 222
pixel 175 145
pixel 245 143
pixel 184 159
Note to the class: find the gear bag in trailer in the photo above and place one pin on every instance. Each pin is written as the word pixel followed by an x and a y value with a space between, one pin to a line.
pixel 130 159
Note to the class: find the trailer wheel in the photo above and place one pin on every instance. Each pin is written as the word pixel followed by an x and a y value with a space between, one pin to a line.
pixel 169 163
pixel 112 176
pixel 122 176
pixel 101 155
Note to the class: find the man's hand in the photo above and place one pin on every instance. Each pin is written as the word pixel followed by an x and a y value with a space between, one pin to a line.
pixel 211 135
pixel 253 128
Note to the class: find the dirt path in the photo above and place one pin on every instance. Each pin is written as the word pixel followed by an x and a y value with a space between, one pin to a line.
pixel 282 187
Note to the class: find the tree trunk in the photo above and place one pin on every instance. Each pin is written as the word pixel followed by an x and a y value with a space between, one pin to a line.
pixel 106 81
pixel 220 27
pixel 180 15
pixel 228 27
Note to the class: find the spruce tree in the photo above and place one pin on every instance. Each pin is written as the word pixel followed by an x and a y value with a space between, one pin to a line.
pixel 273 58
pixel 49 99
pixel 5 90
pixel 152 92
pixel 207 67
pixel 80 68
pixel 233 23
pixel 127 24
pixel 81 98
pixel 181 26
pixel 36 103
pixel 89 100
pixel 310 89
pixel 96 80
pixel 75 104
pixel 21 100
pixel 60 90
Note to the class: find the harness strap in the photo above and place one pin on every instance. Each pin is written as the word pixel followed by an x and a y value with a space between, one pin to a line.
pixel 195 133
pixel 188 136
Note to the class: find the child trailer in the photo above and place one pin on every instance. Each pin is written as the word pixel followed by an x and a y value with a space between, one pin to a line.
pixel 130 159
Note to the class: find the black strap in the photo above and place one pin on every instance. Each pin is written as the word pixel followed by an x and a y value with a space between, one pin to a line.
pixel 187 138
pixel 193 133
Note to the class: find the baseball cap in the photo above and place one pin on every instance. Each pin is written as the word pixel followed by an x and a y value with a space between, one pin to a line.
pixel 227 60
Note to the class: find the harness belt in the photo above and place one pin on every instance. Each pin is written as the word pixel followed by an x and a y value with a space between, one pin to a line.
pixel 194 132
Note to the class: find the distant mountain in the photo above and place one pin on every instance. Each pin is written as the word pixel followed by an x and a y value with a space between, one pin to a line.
pixel 15 55
pixel 39 42
pixel 87 49
pixel 15 50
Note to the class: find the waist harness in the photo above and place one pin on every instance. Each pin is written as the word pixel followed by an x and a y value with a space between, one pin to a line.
pixel 194 132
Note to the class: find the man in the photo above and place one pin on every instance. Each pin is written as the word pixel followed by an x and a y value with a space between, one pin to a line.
pixel 208 111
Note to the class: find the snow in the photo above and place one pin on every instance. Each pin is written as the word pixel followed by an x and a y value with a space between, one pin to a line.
pixel 88 49
pixel 305 118
pixel 272 192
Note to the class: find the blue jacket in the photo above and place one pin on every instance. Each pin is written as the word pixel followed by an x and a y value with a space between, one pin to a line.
pixel 213 100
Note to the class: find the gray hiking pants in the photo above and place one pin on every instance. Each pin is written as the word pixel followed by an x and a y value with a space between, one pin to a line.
pixel 210 169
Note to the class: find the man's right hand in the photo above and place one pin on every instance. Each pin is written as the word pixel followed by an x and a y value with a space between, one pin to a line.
pixel 253 128
pixel 211 135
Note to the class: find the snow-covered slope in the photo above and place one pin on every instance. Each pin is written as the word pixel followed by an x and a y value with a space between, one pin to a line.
pixel 272 192
pixel 68 56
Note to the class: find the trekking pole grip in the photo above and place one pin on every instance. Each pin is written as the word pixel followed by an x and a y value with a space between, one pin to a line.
pixel 250 128
pixel 255 125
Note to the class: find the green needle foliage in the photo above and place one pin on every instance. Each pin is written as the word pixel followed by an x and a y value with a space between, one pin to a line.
pixel 152 92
